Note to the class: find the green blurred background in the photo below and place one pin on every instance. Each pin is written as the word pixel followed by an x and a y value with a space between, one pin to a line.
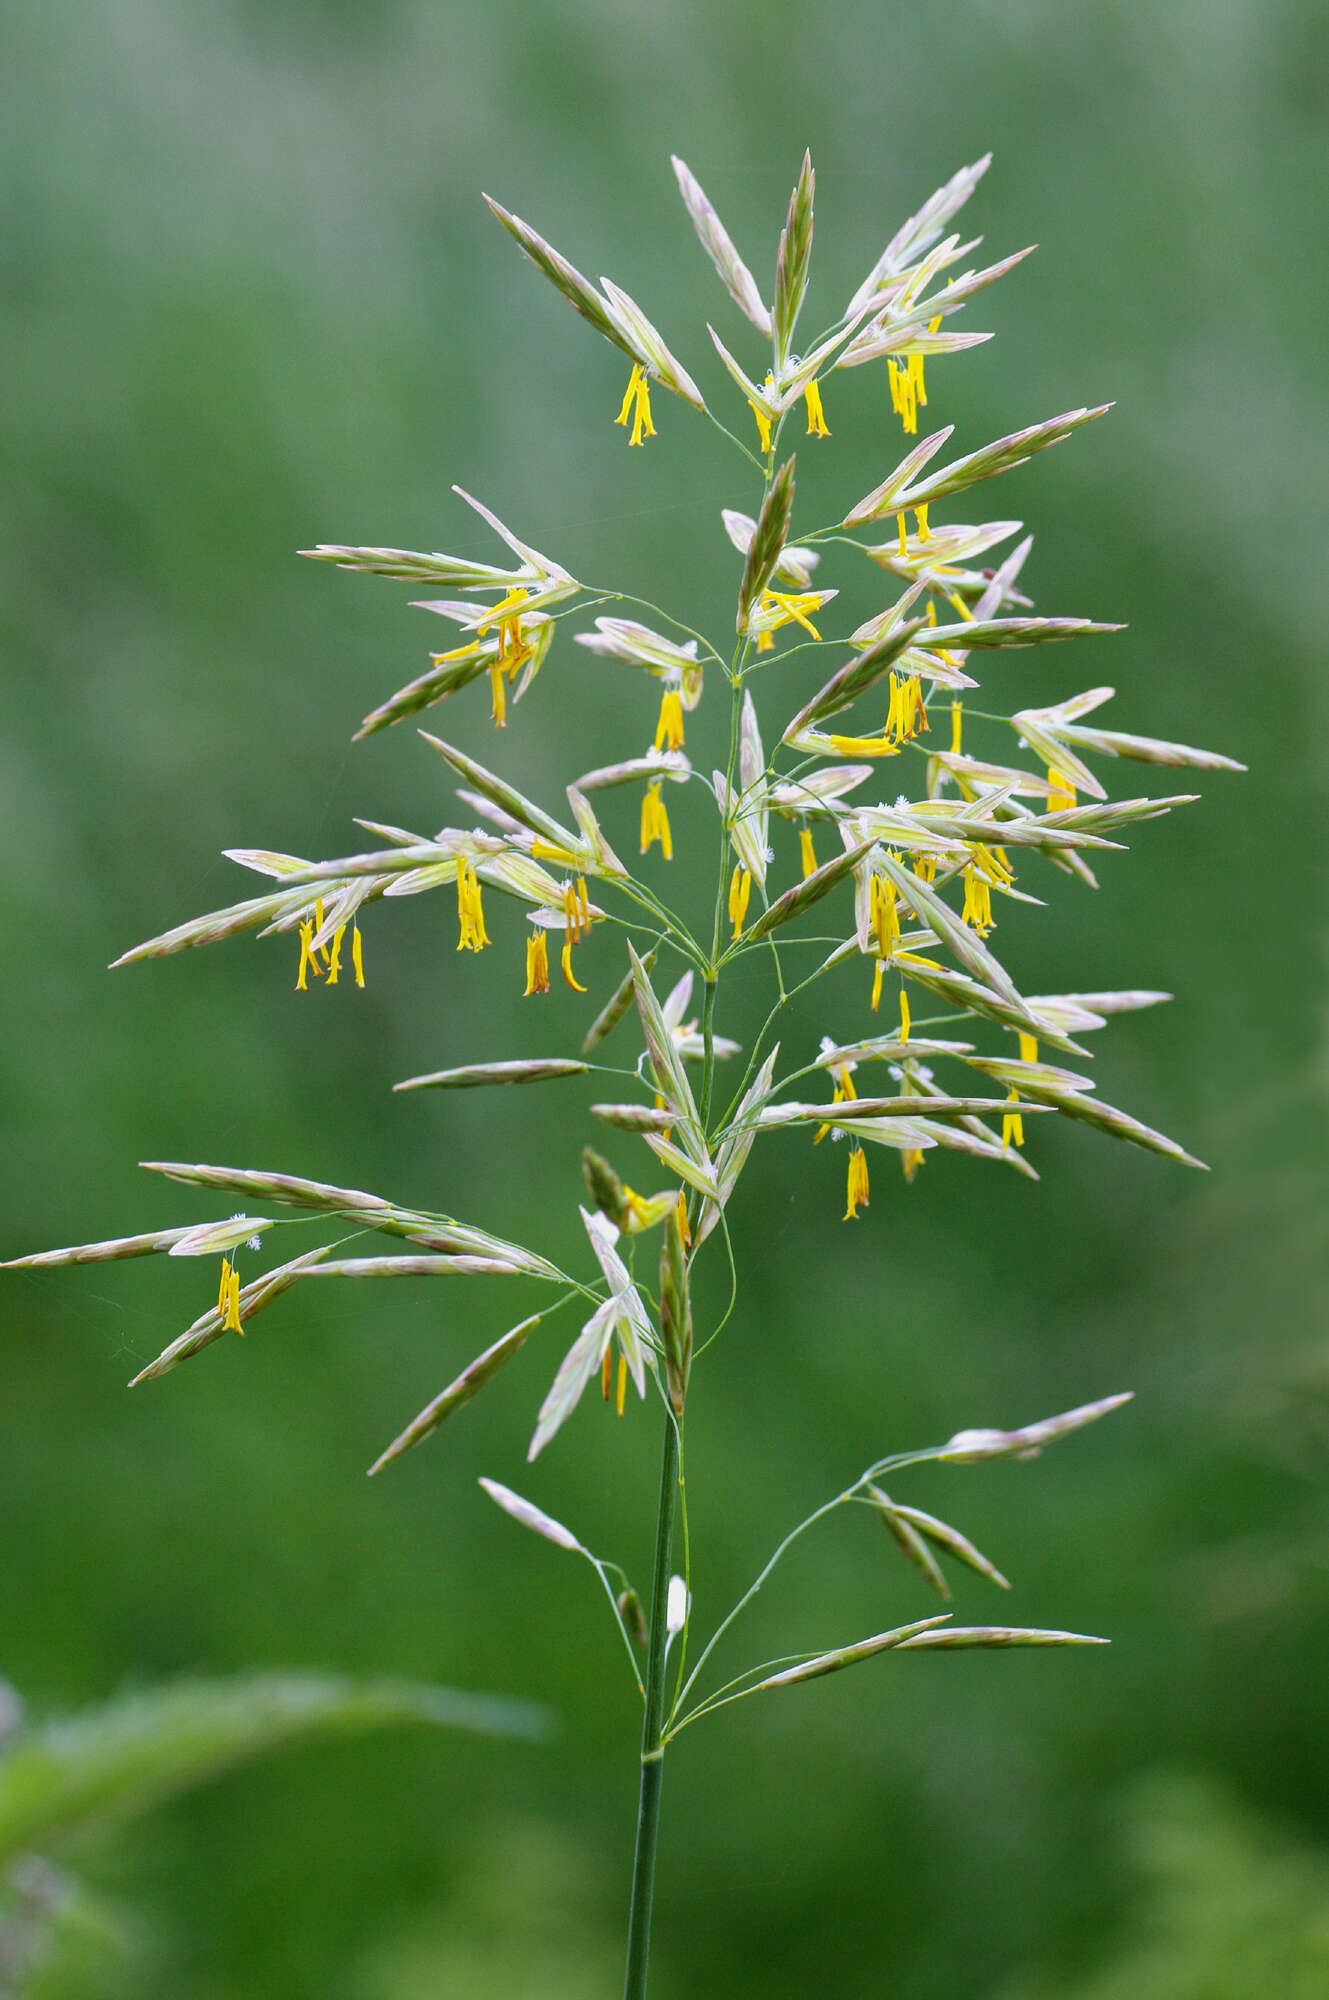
pixel 252 301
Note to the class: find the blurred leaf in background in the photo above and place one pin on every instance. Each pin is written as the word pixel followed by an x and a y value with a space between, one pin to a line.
pixel 64 1781
pixel 1229 1905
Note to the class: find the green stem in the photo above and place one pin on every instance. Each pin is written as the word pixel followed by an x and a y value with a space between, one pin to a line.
pixel 652 1747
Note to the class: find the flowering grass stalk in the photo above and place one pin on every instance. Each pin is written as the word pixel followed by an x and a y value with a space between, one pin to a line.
pixel 911 878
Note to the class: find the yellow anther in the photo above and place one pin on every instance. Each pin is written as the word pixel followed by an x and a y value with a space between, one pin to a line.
pixel 684 1226
pixel 882 916
pixel 546 850
pixel 878 971
pixel 920 393
pixel 1061 792
pixel 807 851
pixel 954 598
pixel 334 963
pixel 499 706
pixel 977 901
pixel 957 725
pixel 655 822
pixel 740 888
pixel 1012 1124
pixel 622 1391
pixel 637 401
pixel 921 516
pixel 904 1015
pixel 357 956
pixel 565 960
pixel 497 614
pixel 817 426
pixel 739 891
pixel 763 424
pixel 308 962
pixel 865 746
pixel 470 910
pixel 231 1323
pixel 224 1289
pixel 783 607
pixel 902 528
pixel 904 399
pixel 858 1184
pixel 910 1161
pixel 1028 1048
pixel 537 964
pixel 669 729
pixel 607 1370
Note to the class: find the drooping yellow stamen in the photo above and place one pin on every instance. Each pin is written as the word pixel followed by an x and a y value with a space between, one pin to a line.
pixel 1061 794
pixel 537 964
pixel 622 1392
pixel 740 888
pixel 498 614
pixel 763 425
pixel 904 1015
pixel 514 648
pixel 977 901
pixel 954 598
pixel 669 729
pixel 357 956
pixel 637 401
pixel 925 867
pixel 904 399
pixel 902 529
pixel 498 709
pixel 684 1226
pixel 334 963
pixel 1028 1048
pixel 548 850
pixel 882 916
pixel 916 379
pixel 957 726
pixel 470 910
pixel 655 822
pixel 921 516
pixel 607 1370
pixel 865 746
pixel 817 426
pixel 1012 1124
pixel 877 974
pixel 807 851
pixel 784 607
pixel 461 653
pixel 565 960
pixel 906 715
pixel 858 1184
pixel 911 1160
pixel 224 1289
pixel 231 1323
pixel 308 962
